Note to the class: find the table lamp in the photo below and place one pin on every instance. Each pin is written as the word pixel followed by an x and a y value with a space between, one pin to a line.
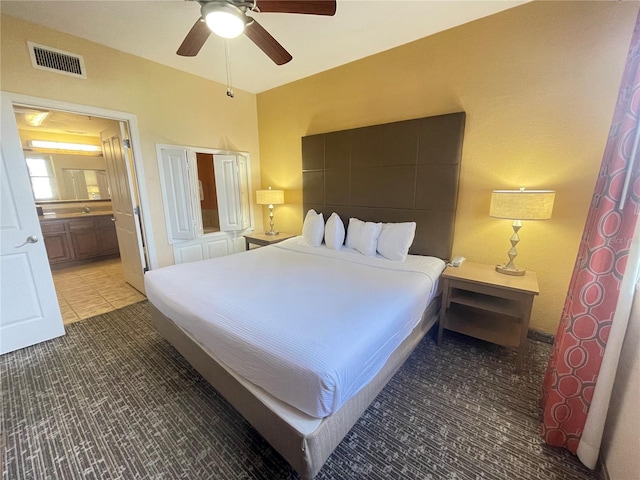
pixel 520 205
pixel 271 198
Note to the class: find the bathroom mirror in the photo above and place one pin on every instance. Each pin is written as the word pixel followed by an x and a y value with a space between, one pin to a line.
pixel 57 177
pixel 63 154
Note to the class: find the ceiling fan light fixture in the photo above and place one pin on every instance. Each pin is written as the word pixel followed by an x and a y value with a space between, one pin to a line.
pixel 225 20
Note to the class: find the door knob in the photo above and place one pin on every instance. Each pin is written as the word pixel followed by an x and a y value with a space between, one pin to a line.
pixel 30 239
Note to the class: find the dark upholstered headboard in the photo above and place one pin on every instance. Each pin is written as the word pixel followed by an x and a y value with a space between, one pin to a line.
pixel 396 172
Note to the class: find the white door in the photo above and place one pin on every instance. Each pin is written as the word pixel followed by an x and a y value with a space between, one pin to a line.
pixel 227 185
pixel 177 181
pixel 125 213
pixel 29 311
pixel 243 191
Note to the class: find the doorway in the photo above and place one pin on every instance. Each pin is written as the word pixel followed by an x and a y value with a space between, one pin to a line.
pixel 78 184
pixel 91 289
pixel 208 193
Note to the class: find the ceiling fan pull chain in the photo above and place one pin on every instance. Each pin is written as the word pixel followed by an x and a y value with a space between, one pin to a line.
pixel 227 57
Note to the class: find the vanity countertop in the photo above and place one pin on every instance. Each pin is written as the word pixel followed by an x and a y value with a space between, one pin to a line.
pixel 58 216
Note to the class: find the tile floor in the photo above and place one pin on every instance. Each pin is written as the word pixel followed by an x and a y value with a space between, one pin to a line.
pixel 92 289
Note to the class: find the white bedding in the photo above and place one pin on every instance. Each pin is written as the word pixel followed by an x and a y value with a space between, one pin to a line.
pixel 309 325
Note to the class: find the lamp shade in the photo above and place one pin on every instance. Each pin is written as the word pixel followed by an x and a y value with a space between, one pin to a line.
pixel 270 197
pixel 522 204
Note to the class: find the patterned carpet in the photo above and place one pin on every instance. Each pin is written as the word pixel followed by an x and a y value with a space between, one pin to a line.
pixel 113 400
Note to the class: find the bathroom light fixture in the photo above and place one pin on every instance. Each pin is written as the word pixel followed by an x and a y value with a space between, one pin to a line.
pixel 223 19
pixel 271 198
pixel 32 116
pixel 520 205
pixel 78 147
pixel 36 117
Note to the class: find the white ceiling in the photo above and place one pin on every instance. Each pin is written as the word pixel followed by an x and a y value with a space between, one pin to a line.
pixel 154 30
pixel 62 122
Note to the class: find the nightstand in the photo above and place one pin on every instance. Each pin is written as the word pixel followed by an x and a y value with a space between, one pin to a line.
pixel 262 239
pixel 482 303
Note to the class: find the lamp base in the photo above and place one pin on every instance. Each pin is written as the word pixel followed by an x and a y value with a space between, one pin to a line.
pixel 514 272
pixel 271 232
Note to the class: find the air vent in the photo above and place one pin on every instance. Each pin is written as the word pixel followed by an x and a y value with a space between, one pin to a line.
pixel 54 60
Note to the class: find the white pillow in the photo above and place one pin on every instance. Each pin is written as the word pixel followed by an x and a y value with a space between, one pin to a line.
pixel 395 240
pixel 363 236
pixel 313 228
pixel 334 232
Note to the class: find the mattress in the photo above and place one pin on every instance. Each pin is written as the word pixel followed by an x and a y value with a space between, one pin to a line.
pixel 309 325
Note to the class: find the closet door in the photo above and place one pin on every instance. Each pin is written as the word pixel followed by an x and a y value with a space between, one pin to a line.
pixel 228 187
pixel 177 180
pixel 245 194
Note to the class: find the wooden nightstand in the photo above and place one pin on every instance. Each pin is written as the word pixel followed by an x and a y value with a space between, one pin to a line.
pixel 262 239
pixel 482 303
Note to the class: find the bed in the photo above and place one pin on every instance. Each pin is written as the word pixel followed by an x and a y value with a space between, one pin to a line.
pixel 300 339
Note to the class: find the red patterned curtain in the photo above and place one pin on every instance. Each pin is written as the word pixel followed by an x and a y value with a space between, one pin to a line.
pixel 594 290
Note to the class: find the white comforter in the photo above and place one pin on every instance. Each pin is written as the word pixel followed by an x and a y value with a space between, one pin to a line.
pixel 311 326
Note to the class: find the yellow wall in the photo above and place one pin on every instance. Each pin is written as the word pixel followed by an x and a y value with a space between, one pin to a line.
pixel 538 84
pixel 171 107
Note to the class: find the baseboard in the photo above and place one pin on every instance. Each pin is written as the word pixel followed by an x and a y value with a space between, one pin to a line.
pixel 77 263
pixel 541 336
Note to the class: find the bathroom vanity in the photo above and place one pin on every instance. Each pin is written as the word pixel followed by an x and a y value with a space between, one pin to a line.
pixel 74 237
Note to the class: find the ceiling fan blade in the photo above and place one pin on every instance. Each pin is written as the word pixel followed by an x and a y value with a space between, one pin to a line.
pixel 308 7
pixel 194 40
pixel 265 42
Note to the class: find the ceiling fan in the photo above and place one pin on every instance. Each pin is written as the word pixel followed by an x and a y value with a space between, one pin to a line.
pixel 228 19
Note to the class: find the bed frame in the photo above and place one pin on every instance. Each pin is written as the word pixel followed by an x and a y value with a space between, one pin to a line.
pixel 403 171
pixel 305 453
